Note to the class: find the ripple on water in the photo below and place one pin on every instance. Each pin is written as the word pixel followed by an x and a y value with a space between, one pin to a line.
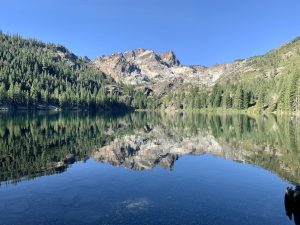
pixel 132 205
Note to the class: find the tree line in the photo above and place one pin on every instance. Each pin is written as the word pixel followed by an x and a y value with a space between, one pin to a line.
pixel 276 94
pixel 33 73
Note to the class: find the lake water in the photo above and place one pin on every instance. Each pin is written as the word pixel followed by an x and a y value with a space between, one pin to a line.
pixel 146 168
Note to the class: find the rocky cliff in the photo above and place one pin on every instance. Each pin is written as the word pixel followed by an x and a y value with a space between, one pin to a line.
pixel 143 66
pixel 162 73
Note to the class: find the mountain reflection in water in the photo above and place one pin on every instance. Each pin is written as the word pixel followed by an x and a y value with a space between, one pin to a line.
pixel 33 145
pixel 37 144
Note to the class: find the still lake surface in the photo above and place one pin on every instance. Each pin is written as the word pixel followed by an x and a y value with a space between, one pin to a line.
pixel 146 168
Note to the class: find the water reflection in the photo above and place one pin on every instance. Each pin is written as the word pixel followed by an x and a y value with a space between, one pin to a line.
pixel 292 203
pixel 34 145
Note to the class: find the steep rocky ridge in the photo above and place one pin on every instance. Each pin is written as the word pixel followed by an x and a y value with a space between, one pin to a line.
pixel 163 72
pixel 143 66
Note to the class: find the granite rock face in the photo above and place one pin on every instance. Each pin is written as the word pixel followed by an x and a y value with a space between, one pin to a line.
pixel 143 66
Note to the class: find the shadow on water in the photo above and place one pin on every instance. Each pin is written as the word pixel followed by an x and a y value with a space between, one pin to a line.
pixel 292 203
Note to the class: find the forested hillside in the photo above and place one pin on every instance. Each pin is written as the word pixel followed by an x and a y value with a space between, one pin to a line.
pixel 42 76
pixel 37 75
pixel 268 83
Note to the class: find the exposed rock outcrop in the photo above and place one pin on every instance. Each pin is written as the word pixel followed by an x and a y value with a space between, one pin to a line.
pixel 143 66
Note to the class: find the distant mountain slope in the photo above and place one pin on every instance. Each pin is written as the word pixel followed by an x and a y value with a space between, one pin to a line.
pixel 142 66
pixel 263 83
pixel 38 75
pixel 277 62
pixel 42 76
pixel 270 82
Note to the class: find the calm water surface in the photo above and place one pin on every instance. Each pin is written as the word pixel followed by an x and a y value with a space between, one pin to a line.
pixel 146 168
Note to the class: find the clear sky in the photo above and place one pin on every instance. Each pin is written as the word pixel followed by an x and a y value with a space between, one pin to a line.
pixel 202 32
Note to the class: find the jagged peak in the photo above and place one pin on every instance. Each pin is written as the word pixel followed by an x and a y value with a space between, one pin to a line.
pixel 170 58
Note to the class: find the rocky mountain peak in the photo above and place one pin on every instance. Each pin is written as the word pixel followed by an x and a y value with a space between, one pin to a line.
pixel 170 58
pixel 144 66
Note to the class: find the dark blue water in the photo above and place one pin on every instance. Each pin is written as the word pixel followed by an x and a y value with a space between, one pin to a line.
pixel 197 189
pixel 200 190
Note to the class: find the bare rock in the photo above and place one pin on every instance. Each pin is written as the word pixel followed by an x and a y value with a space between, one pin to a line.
pixel 142 66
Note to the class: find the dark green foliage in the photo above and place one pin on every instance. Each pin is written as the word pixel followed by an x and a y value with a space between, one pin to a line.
pixel 38 75
pixel 33 73
pixel 227 100
pixel 215 97
pixel 266 94
pixel 238 100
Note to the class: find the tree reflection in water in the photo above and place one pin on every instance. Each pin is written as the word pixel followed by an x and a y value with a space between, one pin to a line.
pixel 33 145
pixel 292 203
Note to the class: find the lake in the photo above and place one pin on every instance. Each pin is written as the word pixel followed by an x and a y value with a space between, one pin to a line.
pixel 146 168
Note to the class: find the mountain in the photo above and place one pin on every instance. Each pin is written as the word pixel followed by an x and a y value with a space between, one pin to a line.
pixel 143 66
pixel 37 75
pixel 266 83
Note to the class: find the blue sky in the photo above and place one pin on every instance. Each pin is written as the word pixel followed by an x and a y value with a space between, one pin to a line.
pixel 200 32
